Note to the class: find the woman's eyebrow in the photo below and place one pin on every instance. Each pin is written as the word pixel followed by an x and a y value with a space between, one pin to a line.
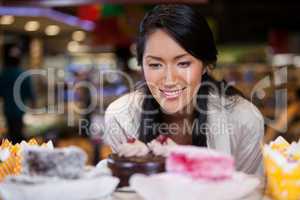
pixel 160 59
pixel 180 56
pixel 154 57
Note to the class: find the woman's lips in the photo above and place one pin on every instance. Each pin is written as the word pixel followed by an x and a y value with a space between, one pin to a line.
pixel 172 94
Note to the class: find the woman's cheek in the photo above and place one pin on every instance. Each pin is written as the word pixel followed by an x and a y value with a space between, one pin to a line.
pixel 152 79
pixel 195 76
pixel 193 80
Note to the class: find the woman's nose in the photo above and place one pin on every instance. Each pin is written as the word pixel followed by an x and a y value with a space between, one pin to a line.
pixel 169 76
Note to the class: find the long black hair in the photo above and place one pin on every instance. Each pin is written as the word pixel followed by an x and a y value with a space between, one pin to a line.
pixel 190 30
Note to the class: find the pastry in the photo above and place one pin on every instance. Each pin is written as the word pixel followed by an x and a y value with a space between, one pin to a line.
pixel 200 163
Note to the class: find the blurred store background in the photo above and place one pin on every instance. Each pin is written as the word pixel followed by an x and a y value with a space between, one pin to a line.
pixel 76 40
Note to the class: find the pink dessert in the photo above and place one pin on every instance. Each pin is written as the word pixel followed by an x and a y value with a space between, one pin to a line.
pixel 200 163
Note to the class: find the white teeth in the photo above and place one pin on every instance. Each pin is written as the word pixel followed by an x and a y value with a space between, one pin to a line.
pixel 172 94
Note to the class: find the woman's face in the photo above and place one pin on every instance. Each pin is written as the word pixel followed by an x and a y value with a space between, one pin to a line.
pixel 172 74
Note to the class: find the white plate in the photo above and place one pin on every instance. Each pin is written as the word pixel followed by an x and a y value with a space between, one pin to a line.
pixel 126 196
pixel 91 186
pixel 167 186
pixel 125 190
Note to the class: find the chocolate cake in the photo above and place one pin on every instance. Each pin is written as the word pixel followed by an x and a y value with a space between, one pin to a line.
pixel 123 167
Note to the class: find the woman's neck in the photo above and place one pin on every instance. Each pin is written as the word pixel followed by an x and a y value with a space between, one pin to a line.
pixel 179 127
pixel 185 114
pixel 177 117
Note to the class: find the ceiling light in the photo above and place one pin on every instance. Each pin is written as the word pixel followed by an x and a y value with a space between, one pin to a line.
pixel 7 19
pixel 52 30
pixel 79 36
pixel 73 46
pixel 32 26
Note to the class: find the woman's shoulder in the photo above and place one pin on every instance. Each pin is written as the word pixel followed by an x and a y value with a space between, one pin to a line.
pixel 247 109
pixel 237 108
pixel 130 102
pixel 247 115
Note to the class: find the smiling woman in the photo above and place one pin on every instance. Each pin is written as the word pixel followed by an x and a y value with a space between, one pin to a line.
pixel 176 50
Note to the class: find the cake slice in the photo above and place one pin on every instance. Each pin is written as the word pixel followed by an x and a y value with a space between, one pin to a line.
pixel 200 163
pixel 65 163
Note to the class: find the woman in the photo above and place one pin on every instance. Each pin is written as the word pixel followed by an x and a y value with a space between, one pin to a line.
pixel 180 99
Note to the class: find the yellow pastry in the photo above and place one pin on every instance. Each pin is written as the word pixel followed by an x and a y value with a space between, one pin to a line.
pixel 11 159
pixel 280 144
pixel 282 166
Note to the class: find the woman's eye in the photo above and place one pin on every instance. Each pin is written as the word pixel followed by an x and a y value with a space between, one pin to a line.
pixel 184 64
pixel 154 65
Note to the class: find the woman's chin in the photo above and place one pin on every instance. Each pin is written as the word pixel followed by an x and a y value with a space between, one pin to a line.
pixel 171 109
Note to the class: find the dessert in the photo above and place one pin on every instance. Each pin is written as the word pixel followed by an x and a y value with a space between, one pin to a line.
pixel 195 173
pixel 200 163
pixel 40 160
pixel 65 163
pixel 133 147
pixel 161 145
pixel 136 157
pixel 124 167
pixel 282 167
